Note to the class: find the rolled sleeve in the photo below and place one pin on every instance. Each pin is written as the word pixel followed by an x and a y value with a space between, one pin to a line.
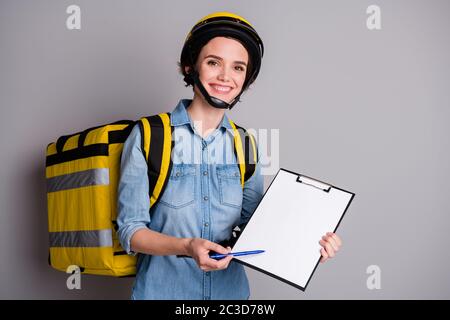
pixel 133 200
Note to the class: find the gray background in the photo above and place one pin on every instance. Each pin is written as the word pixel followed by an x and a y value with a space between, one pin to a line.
pixel 364 110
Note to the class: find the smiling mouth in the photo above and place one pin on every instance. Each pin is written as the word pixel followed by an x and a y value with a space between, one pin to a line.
pixel 220 89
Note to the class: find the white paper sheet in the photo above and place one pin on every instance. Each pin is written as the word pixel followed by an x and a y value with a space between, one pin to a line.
pixel 288 224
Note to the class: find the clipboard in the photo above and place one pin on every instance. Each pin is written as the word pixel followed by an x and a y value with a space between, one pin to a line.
pixel 293 215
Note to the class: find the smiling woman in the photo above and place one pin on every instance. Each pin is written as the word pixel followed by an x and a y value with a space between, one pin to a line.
pixel 222 66
pixel 235 29
pixel 204 199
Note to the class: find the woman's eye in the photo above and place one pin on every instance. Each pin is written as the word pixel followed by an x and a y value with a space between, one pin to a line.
pixel 212 63
pixel 238 68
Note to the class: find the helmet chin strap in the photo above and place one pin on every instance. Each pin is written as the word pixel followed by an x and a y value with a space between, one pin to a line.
pixel 213 101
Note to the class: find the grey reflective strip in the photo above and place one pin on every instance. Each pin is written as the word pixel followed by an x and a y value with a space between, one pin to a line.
pixel 94 238
pixel 93 177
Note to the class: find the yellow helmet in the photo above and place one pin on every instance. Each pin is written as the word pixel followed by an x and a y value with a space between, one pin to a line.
pixel 215 25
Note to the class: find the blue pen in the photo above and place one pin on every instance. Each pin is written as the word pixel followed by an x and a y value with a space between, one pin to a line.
pixel 235 254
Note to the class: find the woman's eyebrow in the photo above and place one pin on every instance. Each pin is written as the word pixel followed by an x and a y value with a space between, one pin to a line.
pixel 219 58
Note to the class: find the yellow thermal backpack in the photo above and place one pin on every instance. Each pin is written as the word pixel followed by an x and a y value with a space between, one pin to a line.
pixel 82 173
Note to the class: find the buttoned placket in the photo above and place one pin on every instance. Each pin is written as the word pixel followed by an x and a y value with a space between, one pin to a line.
pixel 205 201
pixel 206 234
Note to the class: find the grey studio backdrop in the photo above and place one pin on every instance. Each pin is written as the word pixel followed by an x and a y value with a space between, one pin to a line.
pixel 366 110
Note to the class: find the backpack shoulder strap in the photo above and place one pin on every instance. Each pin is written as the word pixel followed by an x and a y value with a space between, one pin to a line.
pixel 245 150
pixel 157 145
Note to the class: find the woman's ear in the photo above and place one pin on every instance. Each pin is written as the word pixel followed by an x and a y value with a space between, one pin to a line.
pixel 187 69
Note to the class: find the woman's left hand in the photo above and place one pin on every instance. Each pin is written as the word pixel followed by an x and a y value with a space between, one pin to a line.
pixel 330 243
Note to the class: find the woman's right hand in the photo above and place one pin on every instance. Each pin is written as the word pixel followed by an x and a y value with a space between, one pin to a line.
pixel 199 250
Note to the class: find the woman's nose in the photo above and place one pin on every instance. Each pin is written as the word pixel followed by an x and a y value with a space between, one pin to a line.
pixel 224 75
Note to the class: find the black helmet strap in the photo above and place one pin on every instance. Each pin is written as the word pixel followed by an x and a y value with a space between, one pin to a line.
pixel 213 101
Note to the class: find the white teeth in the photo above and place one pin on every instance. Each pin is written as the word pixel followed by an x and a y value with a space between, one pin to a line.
pixel 223 89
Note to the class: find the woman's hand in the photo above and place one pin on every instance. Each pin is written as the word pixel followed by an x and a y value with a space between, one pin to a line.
pixel 331 243
pixel 199 250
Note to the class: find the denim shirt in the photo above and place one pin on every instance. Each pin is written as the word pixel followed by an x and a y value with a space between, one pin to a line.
pixel 203 198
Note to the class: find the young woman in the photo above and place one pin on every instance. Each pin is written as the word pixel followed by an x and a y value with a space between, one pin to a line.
pixel 204 198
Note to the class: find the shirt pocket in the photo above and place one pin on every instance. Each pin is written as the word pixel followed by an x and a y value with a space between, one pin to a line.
pixel 230 187
pixel 180 189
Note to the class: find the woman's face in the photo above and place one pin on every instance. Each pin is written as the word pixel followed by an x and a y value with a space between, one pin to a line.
pixel 222 66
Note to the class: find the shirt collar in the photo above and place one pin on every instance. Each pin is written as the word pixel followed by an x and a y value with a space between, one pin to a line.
pixel 180 116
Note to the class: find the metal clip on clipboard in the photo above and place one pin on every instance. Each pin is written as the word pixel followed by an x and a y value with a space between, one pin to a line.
pixel 313 183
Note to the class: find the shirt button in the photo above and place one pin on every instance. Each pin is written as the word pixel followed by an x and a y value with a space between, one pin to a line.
pixel 207 273
pixel 205 173
pixel 177 174
pixel 205 198
pixel 206 224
